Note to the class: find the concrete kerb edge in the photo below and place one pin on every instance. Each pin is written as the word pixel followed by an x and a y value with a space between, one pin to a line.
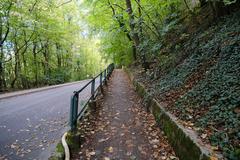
pixel 184 142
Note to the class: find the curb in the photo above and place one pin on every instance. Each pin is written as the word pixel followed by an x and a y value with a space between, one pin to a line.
pixel 59 153
pixel 24 92
pixel 185 142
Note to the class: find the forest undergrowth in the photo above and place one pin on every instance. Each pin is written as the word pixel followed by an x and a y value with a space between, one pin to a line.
pixel 198 80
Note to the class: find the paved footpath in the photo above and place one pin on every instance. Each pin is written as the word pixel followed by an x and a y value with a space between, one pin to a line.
pixel 121 128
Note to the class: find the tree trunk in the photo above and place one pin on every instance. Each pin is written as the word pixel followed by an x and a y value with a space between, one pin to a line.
pixel 125 30
pixel 35 63
pixel 203 3
pixel 2 73
pixel 189 9
pixel 220 9
pixel 134 33
pixel 59 58
pixel 140 19
pixel 23 76
pixel 46 62
pixel 3 37
pixel 17 69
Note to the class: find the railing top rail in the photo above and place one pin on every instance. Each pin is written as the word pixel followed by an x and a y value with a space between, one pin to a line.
pixel 77 92
pixel 85 86
pixel 74 115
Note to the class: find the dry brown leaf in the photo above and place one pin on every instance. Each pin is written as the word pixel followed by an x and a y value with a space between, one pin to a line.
pixel 213 158
pixel 110 149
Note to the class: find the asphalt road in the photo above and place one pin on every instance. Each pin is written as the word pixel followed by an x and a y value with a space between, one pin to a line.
pixel 32 124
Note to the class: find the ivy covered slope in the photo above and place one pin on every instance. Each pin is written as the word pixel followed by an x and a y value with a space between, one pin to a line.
pixel 200 81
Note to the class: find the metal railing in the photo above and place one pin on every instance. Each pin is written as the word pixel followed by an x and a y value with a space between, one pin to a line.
pixel 74 105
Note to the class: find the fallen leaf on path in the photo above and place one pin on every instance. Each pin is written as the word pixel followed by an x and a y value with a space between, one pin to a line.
pixel 155 141
pixel 13 146
pixel 129 153
pixel 173 157
pixel 213 158
pixel 204 136
pixel 103 140
pixel 110 149
pixel 215 148
pixel 92 153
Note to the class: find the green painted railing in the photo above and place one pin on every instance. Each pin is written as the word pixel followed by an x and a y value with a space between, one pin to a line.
pixel 74 105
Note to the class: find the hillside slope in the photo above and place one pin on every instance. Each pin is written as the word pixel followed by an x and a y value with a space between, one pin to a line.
pixel 199 80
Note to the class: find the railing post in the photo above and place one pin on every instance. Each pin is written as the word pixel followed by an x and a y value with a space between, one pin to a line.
pixel 74 112
pixel 101 79
pixel 93 88
pixel 105 77
pixel 101 82
pixel 111 67
pixel 108 72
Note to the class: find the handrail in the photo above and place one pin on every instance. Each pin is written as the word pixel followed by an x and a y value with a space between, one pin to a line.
pixel 77 92
pixel 74 115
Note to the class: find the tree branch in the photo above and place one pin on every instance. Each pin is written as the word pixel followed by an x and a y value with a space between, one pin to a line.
pixel 119 6
pixel 64 3
pixel 8 26
pixel 121 24
pixel 33 6
pixel 151 21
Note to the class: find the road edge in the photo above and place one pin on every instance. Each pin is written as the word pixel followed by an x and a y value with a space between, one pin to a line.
pixel 28 91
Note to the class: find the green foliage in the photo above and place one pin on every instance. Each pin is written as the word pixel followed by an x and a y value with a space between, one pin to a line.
pixel 201 66
pixel 43 44
pixel 214 100
pixel 228 2
pixel 110 18
pixel 119 50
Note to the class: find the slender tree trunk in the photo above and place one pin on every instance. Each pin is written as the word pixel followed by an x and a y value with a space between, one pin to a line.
pixel 134 33
pixel 140 19
pixel 122 25
pixel 189 9
pixel 220 8
pixel 156 32
pixel 2 71
pixel 59 58
pixel 46 62
pixel 23 76
pixel 35 63
pixel 203 3
pixel 1 58
pixel 3 37
pixel 17 68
